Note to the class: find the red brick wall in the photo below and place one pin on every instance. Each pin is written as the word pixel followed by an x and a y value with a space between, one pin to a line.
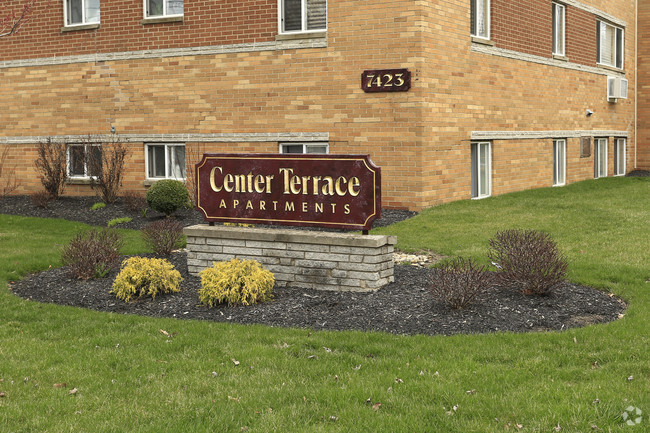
pixel 524 26
pixel 206 22
pixel 580 36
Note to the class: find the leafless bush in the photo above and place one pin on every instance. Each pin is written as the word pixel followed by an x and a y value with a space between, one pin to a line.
pixel 51 163
pixel 528 259
pixel 135 202
pixel 93 253
pixel 458 281
pixel 8 181
pixel 163 236
pixel 108 167
pixel 41 199
pixel 193 154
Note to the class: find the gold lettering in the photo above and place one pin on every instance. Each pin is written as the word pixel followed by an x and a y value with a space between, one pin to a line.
pixel 354 186
pixel 240 183
pixel 316 180
pixel 304 206
pixel 339 190
pixel 286 172
pixel 249 205
pixel 329 188
pixel 268 183
pixel 262 205
pixel 294 185
pixel 275 205
pixel 333 207
pixel 259 184
pixel 235 203
pixel 289 207
pixel 347 209
pixel 400 80
pixel 319 207
pixel 305 182
pixel 223 205
pixel 227 183
pixel 213 185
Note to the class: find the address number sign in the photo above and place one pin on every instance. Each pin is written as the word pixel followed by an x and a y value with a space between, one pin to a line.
pixel 386 80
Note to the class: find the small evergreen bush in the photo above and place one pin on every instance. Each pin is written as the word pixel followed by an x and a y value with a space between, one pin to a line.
pixel 528 259
pixel 458 281
pixel 163 236
pixel 235 282
pixel 141 276
pixel 97 206
pixel 92 253
pixel 167 196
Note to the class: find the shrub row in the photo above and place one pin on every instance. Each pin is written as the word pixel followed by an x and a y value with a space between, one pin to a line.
pixel 527 260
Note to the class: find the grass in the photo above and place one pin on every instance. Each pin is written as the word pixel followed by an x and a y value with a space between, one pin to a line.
pixel 130 376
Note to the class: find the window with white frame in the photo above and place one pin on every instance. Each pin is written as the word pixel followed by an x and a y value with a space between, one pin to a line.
pixel 619 157
pixel 558 29
pixel 84 160
pixel 600 157
pixel 481 169
pixel 165 161
pixel 559 162
pixel 299 16
pixel 163 8
pixel 480 18
pixel 610 45
pixel 304 148
pixel 80 12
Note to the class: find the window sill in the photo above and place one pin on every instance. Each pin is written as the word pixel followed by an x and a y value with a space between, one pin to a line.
pixel 482 41
pixel 157 20
pixel 66 29
pixel 560 57
pixel 298 36
pixel 610 68
pixel 79 181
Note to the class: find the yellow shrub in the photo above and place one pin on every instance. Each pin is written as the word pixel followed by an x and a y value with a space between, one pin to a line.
pixel 141 276
pixel 235 282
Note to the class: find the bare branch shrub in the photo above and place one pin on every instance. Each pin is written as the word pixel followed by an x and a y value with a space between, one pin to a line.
pixel 528 259
pixel 193 154
pixel 135 202
pixel 52 166
pixel 107 167
pixel 41 199
pixel 458 281
pixel 163 236
pixel 93 253
pixel 8 181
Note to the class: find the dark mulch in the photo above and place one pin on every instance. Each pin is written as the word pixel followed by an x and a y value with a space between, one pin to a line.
pixel 639 173
pixel 402 307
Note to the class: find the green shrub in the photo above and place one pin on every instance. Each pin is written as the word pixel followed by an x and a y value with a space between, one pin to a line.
pixel 458 281
pixel 98 206
pixel 528 259
pixel 92 254
pixel 116 221
pixel 235 282
pixel 163 236
pixel 167 196
pixel 141 276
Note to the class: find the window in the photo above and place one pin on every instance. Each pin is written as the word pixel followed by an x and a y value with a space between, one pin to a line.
pixel 600 157
pixel 559 162
pixel 480 18
pixel 481 170
pixel 304 148
pixel 84 160
pixel 303 16
pixel 165 161
pixel 79 12
pixel 163 8
pixel 619 157
pixel 558 29
pixel 610 45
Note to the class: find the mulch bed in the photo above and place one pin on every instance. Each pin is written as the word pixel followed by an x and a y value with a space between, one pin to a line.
pixel 403 307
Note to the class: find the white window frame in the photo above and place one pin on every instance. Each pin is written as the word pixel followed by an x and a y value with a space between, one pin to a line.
pixel 306 147
pixel 620 156
pixel 559 29
pixel 559 162
pixel 480 150
pixel 84 19
pixel 165 13
pixel 304 19
pixel 168 174
pixel 481 10
pixel 600 157
pixel 86 174
pixel 618 44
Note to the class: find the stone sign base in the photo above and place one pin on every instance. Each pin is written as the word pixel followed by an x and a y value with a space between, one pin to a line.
pixel 298 258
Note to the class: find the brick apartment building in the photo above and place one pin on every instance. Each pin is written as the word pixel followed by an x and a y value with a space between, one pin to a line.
pixel 503 96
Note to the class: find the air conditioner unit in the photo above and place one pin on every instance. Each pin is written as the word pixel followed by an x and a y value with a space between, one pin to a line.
pixel 616 88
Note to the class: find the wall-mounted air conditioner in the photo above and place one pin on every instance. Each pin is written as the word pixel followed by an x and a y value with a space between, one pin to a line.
pixel 616 88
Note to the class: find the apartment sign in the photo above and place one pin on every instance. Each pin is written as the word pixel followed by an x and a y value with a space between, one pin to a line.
pixel 334 191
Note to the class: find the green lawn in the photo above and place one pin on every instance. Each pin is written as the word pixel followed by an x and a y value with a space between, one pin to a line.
pixel 130 377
